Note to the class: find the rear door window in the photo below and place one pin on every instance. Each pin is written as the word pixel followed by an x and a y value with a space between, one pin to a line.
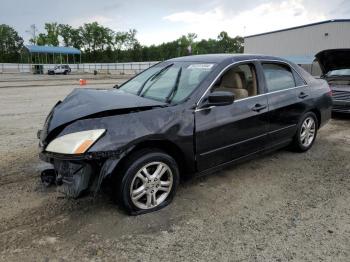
pixel 278 76
pixel 299 81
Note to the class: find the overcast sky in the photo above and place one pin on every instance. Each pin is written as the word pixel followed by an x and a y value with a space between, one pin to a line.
pixel 159 21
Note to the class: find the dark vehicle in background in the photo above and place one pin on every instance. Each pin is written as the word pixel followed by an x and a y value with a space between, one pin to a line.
pixel 335 66
pixel 60 69
pixel 186 116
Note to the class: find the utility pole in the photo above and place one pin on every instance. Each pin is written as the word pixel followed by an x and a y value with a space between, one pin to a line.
pixel 33 31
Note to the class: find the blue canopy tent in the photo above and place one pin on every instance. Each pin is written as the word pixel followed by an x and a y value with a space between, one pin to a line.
pixel 52 50
pixel 51 54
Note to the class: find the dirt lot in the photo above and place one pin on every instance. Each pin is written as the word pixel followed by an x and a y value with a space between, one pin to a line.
pixel 29 80
pixel 281 207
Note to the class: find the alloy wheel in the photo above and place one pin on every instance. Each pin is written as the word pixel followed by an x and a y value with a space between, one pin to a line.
pixel 151 185
pixel 307 131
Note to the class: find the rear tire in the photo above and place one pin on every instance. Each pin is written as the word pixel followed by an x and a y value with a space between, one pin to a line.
pixel 149 181
pixel 306 132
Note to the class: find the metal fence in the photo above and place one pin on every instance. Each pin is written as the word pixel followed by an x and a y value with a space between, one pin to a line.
pixel 107 68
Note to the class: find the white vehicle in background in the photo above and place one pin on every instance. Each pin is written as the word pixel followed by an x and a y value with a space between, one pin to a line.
pixel 60 69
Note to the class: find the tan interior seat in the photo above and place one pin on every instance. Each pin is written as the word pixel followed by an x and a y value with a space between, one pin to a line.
pixel 232 82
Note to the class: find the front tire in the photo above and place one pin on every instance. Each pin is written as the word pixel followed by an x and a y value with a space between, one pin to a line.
pixel 149 183
pixel 306 132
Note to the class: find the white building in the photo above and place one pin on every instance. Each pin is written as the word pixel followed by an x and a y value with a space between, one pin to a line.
pixel 300 44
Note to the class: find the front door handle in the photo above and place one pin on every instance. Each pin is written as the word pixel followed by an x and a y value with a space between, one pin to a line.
pixel 302 95
pixel 258 107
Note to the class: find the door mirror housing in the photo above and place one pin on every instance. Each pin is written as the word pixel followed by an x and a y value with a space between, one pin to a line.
pixel 221 98
pixel 116 86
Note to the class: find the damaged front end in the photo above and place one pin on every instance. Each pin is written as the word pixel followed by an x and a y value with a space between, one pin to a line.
pixel 86 135
pixel 79 174
pixel 73 170
pixel 73 178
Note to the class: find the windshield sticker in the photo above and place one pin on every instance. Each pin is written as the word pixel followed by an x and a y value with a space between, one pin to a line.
pixel 200 66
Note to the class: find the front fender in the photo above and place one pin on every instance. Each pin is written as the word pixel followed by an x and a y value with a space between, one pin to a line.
pixel 109 168
pixel 126 130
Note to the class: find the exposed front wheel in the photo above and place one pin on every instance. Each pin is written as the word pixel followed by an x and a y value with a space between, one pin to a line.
pixel 149 182
pixel 306 133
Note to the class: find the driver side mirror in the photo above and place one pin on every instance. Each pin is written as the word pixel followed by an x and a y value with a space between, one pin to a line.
pixel 116 86
pixel 221 98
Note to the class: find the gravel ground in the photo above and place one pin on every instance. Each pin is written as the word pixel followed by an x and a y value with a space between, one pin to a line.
pixel 30 80
pixel 280 207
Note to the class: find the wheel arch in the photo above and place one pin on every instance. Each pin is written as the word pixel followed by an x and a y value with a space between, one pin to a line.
pixel 115 166
pixel 165 146
pixel 318 115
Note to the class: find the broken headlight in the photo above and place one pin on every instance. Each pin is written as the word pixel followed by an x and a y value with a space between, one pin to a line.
pixel 75 143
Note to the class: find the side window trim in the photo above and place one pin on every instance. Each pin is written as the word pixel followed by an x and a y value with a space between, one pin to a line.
pixel 260 76
pixel 222 72
pixel 295 73
pixel 292 70
pixel 253 69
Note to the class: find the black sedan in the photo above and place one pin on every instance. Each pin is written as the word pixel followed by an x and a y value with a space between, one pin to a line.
pixel 185 116
pixel 335 66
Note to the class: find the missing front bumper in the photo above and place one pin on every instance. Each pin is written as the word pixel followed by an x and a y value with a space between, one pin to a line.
pixel 73 178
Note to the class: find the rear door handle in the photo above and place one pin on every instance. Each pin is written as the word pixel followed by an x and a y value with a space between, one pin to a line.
pixel 258 107
pixel 302 95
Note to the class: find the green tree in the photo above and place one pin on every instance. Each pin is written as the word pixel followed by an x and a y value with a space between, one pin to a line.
pixel 76 39
pixel 101 44
pixel 131 41
pixel 96 38
pixel 41 39
pixel 70 36
pixel 50 37
pixel 10 44
pixel 65 31
pixel 228 44
pixel 52 32
pixel 120 40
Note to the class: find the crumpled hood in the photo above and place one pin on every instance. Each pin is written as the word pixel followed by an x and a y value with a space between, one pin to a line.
pixel 82 103
pixel 333 59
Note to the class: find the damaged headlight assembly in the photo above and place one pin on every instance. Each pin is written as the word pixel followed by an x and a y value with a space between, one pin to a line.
pixel 73 176
pixel 75 143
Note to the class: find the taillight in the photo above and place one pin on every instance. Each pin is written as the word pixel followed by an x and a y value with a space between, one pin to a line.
pixel 330 93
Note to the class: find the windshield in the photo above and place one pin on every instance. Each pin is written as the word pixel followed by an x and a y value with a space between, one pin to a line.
pixel 168 82
pixel 340 72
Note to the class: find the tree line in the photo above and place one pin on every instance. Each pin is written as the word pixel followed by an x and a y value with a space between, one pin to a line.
pixel 100 44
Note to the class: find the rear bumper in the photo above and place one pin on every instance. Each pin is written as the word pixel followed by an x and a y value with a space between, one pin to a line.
pixel 341 98
pixel 341 106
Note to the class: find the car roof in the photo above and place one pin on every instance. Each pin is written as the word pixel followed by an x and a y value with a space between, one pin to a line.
pixel 219 58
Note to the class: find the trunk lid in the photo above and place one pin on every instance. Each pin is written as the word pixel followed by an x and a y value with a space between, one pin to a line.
pixel 333 59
